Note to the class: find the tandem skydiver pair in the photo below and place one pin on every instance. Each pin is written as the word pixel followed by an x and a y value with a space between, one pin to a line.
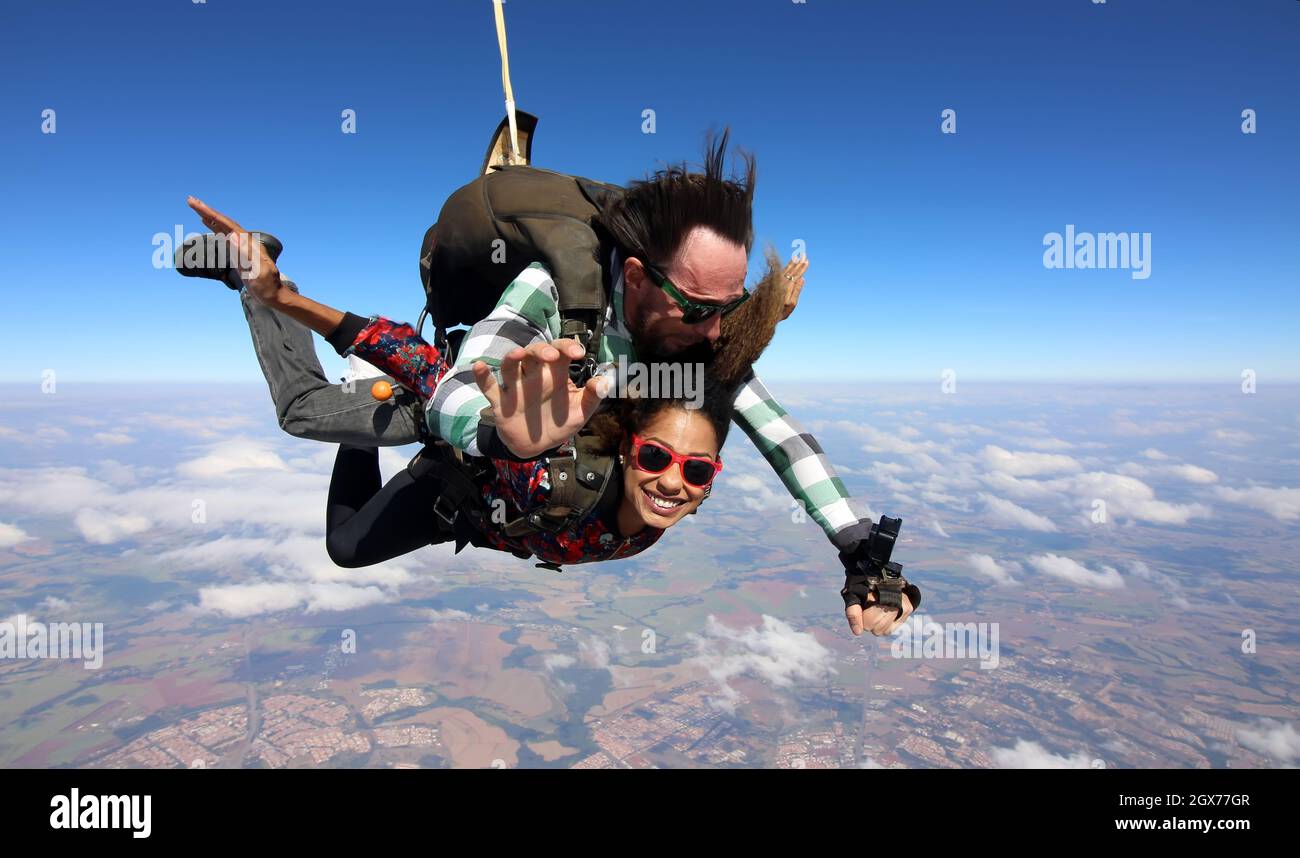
pixel 596 272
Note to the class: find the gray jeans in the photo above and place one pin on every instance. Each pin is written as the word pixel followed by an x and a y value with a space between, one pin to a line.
pixel 307 404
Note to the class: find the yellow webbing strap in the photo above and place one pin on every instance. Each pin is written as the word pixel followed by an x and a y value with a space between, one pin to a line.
pixel 499 9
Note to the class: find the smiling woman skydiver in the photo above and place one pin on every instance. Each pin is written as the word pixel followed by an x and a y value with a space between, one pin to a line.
pixel 664 469
pixel 667 458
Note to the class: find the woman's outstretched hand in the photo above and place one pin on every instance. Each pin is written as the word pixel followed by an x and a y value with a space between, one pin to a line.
pixel 262 279
pixel 255 266
pixel 536 406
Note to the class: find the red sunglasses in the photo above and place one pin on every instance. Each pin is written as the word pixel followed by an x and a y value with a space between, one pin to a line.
pixel 655 458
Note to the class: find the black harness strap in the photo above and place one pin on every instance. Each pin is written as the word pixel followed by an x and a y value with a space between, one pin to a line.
pixel 459 511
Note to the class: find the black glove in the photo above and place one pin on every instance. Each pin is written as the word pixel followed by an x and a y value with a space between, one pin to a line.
pixel 858 586
pixel 867 569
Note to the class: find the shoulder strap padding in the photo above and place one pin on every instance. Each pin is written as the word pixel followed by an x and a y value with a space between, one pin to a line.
pixel 579 477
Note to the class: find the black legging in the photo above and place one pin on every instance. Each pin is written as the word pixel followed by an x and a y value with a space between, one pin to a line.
pixel 367 524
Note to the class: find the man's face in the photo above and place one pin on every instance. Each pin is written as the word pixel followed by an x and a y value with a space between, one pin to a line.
pixel 707 268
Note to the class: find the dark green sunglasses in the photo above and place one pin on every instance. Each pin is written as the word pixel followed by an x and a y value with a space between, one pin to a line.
pixel 693 312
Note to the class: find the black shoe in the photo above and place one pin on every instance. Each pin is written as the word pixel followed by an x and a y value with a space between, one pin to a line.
pixel 207 256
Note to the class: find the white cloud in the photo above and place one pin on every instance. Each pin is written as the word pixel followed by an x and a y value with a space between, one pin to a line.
pixel 1272 739
pixel 1000 573
pixel 594 652
pixel 201 426
pixel 11 535
pixel 104 528
pixel 1193 473
pixel 1134 469
pixel 959 430
pixel 1020 489
pixel 1019 464
pixel 435 615
pixel 1232 436
pixel 1129 497
pixel 246 600
pixel 1153 453
pixel 558 661
pixel 1282 503
pixel 999 512
pixel 917 453
pixel 239 454
pixel 882 474
pixel 112 438
pixel 40 436
pixel 1125 426
pixel 937 527
pixel 775 653
pixel 1045 443
pixel 1074 572
pixel 303 557
pixel 1145 572
pixel 755 493
pixel 1031 755
pixel 51 490
pixel 270 500
pixel 944 499
pixel 117 473
pixel 300 572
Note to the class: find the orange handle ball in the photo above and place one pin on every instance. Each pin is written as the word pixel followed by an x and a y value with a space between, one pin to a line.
pixel 381 390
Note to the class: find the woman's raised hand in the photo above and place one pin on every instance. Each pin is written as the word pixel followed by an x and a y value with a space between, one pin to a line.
pixel 256 268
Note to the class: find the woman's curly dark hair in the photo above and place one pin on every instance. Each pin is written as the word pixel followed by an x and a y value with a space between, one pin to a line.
pixel 749 329
pixel 615 425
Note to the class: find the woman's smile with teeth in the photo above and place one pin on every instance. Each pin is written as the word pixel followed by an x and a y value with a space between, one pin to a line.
pixel 662 502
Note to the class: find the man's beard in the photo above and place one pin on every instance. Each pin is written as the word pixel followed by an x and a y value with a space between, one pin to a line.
pixel 700 352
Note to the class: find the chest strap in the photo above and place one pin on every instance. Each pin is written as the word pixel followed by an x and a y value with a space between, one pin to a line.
pixel 579 477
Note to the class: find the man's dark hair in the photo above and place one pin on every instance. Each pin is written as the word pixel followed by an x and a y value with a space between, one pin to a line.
pixel 651 218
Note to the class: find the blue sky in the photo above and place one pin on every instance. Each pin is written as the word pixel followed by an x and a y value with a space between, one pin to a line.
pixel 926 248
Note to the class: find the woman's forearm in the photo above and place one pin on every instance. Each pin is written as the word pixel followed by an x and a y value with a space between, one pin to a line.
pixel 317 316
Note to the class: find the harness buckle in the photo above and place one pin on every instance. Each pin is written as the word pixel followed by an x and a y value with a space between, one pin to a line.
pixel 448 518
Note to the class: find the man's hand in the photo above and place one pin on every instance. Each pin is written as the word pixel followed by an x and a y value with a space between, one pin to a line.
pixel 536 406
pixel 793 279
pixel 875 619
pixel 256 269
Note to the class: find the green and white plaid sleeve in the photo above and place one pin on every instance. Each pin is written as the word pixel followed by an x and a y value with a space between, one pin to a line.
pixel 528 312
pixel 799 461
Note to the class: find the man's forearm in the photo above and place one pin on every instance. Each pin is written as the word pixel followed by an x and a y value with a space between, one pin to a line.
pixel 800 463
